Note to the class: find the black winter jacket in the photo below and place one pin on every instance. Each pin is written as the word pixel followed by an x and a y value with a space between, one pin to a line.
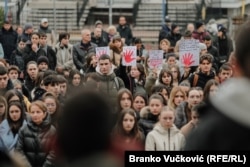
pixel 79 53
pixel 30 55
pixel 51 55
pixel 125 32
pixel 147 120
pixel 202 79
pixel 173 38
pixel 16 58
pixel 9 41
pixel 34 143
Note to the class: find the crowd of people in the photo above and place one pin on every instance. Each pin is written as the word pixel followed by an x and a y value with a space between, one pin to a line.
pixel 61 104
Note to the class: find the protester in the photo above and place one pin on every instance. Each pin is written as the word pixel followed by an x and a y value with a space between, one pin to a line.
pixel 165 136
pixel 183 111
pixel 3 108
pixel 124 99
pixel 126 135
pixel 9 128
pixel 35 138
pixel 228 110
pixel 139 102
pixel 149 114
pixel 177 96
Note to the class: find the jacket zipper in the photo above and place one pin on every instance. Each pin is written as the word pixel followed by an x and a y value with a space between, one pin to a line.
pixel 169 139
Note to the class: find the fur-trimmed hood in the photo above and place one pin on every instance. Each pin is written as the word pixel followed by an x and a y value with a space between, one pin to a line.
pixel 146 114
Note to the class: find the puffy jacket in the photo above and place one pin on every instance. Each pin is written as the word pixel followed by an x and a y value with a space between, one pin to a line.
pixel 34 143
pixel 147 120
pixel 161 139
pixel 7 139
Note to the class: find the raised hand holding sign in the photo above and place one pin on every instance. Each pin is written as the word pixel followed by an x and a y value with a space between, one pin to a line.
pixel 129 56
pixel 155 58
pixel 189 52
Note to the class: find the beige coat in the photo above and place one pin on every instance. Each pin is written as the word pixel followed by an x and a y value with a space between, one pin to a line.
pixel 67 60
pixel 160 139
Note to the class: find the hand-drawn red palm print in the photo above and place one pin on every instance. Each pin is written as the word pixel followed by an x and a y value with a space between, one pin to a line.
pixel 187 59
pixel 102 52
pixel 128 56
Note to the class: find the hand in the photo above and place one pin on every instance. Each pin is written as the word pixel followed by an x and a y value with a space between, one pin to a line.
pixel 34 47
pixel 102 52
pixel 187 59
pixel 154 71
pixel 123 40
pixel 128 56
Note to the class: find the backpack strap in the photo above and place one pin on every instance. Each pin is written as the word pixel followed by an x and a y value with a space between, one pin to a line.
pixel 196 77
pixel 117 85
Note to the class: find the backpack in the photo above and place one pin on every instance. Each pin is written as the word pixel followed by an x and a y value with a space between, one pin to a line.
pixel 117 85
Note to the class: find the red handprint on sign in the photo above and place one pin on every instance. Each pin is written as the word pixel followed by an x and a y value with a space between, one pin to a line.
pixel 101 52
pixel 187 59
pixel 128 56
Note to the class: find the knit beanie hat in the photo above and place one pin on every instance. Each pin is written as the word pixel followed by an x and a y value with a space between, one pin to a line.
pixel 42 59
pixel 202 46
pixel 28 26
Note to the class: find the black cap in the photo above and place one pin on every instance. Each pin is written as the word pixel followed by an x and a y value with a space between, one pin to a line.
pixel 167 19
pixel 173 26
pixel 222 28
pixel 42 59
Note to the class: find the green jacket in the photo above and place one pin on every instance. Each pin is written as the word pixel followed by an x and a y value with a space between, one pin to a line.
pixel 110 87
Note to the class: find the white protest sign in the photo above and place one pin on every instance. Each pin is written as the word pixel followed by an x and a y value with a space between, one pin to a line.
pixel 189 52
pixel 129 56
pixel 155 58
pixel 101 50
